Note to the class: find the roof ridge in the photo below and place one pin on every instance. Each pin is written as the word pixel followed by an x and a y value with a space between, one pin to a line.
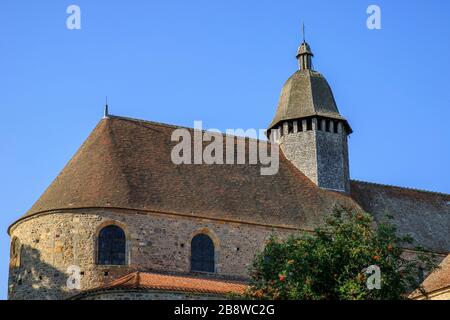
pixel 161 124
pixel 394 186
pixel 100 128
pixel 67 165
pixel 121 280
pixel 310 88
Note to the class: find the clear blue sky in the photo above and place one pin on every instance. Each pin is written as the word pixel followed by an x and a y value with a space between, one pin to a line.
pixel 223 62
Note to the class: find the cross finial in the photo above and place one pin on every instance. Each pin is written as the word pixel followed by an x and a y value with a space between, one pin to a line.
pixel 106 112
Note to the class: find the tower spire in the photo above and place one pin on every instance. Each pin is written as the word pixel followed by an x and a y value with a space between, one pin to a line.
pixel 105 111
pixel 304 53
pixel 303 32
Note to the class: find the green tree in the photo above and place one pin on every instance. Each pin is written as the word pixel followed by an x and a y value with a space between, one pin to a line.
pixel 332 263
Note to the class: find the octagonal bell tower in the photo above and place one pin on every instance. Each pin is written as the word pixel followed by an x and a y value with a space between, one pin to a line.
pixel 311 132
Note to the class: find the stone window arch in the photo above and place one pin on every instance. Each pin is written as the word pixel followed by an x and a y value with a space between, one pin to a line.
pixel 203 254
pixel 111 245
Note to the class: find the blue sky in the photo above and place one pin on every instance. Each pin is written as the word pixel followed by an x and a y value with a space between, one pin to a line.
pixel 222 62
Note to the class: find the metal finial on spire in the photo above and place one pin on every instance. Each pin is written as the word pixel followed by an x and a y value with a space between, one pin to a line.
pixel 106 112
pixel 304 53
pixel 303 32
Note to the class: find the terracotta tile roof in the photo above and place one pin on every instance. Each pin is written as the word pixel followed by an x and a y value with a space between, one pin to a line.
pixel 437 280
pixel 422 214
pixel 177 283
pixel 126 163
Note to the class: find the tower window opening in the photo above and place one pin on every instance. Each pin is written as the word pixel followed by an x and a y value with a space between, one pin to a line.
pixel 335 126
pixel 290 127
pixel 319 124
pixel 273 134
pixel 327 125
pixel 309 124
pixel 300 126
pixel 281 130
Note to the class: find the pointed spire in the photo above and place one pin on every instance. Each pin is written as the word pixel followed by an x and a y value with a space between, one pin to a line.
pixel 304 53
pixel 303 32
pixel 106 112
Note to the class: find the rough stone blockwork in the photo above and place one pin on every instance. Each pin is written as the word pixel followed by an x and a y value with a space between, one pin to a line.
pixel 51 243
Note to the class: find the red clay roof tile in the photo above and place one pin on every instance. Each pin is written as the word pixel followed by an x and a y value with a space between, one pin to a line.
pixel 437 280
pixel 155 281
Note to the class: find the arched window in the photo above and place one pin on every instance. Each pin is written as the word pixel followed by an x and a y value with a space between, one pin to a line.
pixel 111 246
pixel 202 253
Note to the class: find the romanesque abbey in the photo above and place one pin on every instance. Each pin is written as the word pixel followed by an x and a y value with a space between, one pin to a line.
pixel 122 221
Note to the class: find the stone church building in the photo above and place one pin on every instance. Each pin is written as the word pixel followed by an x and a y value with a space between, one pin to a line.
pixel 122 221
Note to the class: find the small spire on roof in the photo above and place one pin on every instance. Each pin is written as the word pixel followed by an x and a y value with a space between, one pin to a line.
pixel 106 112
pixel 304 53
pixel 303 32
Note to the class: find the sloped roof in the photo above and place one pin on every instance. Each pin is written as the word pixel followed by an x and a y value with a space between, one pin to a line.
pixel 126 163
pixel 174 283
pixel 306 93
pixel 422 214
pixel 437 280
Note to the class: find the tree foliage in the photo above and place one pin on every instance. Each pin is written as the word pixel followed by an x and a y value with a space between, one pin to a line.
pixel 332 263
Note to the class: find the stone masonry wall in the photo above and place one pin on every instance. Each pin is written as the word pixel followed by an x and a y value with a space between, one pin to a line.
pixel 300 149
pixel 53 242
pixel 322 156
pixel 332 161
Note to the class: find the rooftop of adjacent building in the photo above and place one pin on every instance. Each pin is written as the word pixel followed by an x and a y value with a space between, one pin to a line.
pixel 438 282
pixel 151 281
